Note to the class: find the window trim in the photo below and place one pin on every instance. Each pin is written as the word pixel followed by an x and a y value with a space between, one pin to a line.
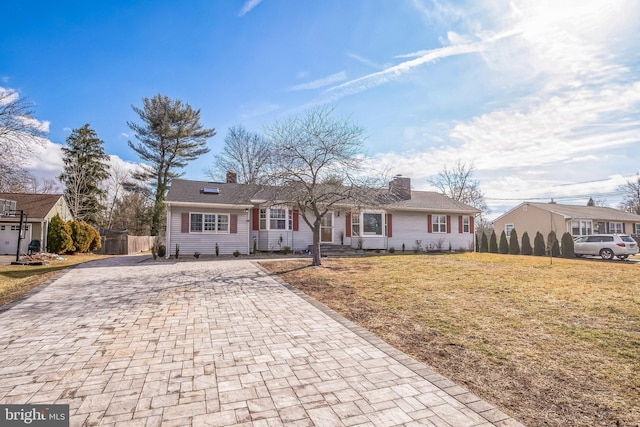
pixel 438 224
pixel 265 219
pixel 466 224
pixel 508 228
pixel 214 220
pixel 620 231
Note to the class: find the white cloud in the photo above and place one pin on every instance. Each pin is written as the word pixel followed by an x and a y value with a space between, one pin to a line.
pixel 392 73
pixel 323 82
pixel 248 6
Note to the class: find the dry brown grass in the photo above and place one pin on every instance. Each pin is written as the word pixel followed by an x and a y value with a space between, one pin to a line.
pixel 552 345
pixel 17 280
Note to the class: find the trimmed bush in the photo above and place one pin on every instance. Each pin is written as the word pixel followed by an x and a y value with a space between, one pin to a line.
pixel 484 243
pixel 96 243
pixel 82 235
pixel 59 238
pixel 526 245
pixel 538 245
pixel 554 245
pixel 504 245
pixel 567 246
pixel 493 243
pixel 514 246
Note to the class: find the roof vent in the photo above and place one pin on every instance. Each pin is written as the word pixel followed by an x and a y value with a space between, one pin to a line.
pixel 210 190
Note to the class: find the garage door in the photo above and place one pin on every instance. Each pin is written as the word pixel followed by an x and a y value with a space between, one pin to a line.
pixel 9 239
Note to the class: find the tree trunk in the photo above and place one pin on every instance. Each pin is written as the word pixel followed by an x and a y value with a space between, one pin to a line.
pixel 316 243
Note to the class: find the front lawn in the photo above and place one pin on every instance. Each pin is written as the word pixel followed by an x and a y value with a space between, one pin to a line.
pixel 550 344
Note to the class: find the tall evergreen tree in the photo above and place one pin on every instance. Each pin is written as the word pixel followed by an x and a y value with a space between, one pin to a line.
pixel 567 247
pixel 170 136
pixel 484 243
pixel 504 244
pixel 538 245
pixel 85 167
pixel 514 246
pixel 526 244
pixel 493 243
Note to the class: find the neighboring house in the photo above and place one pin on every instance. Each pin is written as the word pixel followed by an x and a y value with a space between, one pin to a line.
pixel 577 220
pixel 239 217
pixel 38 210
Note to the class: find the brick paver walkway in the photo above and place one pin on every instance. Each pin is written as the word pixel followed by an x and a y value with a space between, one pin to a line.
pixel 219 343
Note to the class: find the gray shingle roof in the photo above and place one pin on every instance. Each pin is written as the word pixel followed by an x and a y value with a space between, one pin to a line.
pixel 587 212
pixel 34 205
pixel 186 191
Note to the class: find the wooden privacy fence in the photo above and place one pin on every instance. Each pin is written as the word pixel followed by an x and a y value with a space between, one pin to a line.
pixel 123 244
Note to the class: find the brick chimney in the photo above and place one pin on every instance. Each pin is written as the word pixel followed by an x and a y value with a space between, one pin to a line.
pixel 400 187
pixel 232 177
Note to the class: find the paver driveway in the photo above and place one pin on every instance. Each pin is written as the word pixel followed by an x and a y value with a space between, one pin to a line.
pixel 133 343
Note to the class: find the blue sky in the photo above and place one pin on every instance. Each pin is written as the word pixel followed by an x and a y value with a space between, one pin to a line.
pixel 542 96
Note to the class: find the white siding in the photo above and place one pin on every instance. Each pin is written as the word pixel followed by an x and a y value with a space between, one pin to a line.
pixel 408 227
pixel 205 243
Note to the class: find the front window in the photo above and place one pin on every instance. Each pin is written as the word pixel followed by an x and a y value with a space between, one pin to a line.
pixel 580 228
pixel 636 228
pixel 208 223
pixel 466 224
pixel 508 228
pixel 355 224
pixel 615 228
pixel 278 219
pixel 372 224
pixel 439 223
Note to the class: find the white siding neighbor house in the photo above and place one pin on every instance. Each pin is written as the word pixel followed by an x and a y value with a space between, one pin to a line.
pixel 38 209
pixel 241 217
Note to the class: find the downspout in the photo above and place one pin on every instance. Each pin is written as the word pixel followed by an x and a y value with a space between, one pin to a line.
pixel 168 232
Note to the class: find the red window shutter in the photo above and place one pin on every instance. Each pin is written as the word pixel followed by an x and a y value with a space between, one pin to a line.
pixel 255 215
pixel 448 223
pixel 233 224
pixel 296 220
pixel 471 226
pixel 460 224
pixel 389 228
pixel 184 227
pixel 347 225
pixel 429 225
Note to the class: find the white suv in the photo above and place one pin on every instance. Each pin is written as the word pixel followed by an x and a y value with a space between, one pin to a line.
pixel 605 245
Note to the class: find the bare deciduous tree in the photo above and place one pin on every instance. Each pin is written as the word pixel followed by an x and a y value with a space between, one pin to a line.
pixel 631 191
pixel 20 132
pixel 458 183
pixel 245 153
pixel 315 161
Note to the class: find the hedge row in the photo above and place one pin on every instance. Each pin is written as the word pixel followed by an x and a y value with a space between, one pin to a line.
pixel 71 236
pixel 512 246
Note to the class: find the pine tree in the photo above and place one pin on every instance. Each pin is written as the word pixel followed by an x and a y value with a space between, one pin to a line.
pixel 567 246
pixel 514 246
pixel 85 167
pixel 504 245
pixel 538 245
pixel 526 244
pixel 170 136
pixel 493 243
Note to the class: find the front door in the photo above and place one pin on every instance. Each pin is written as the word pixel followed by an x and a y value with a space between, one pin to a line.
pixel 326 228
